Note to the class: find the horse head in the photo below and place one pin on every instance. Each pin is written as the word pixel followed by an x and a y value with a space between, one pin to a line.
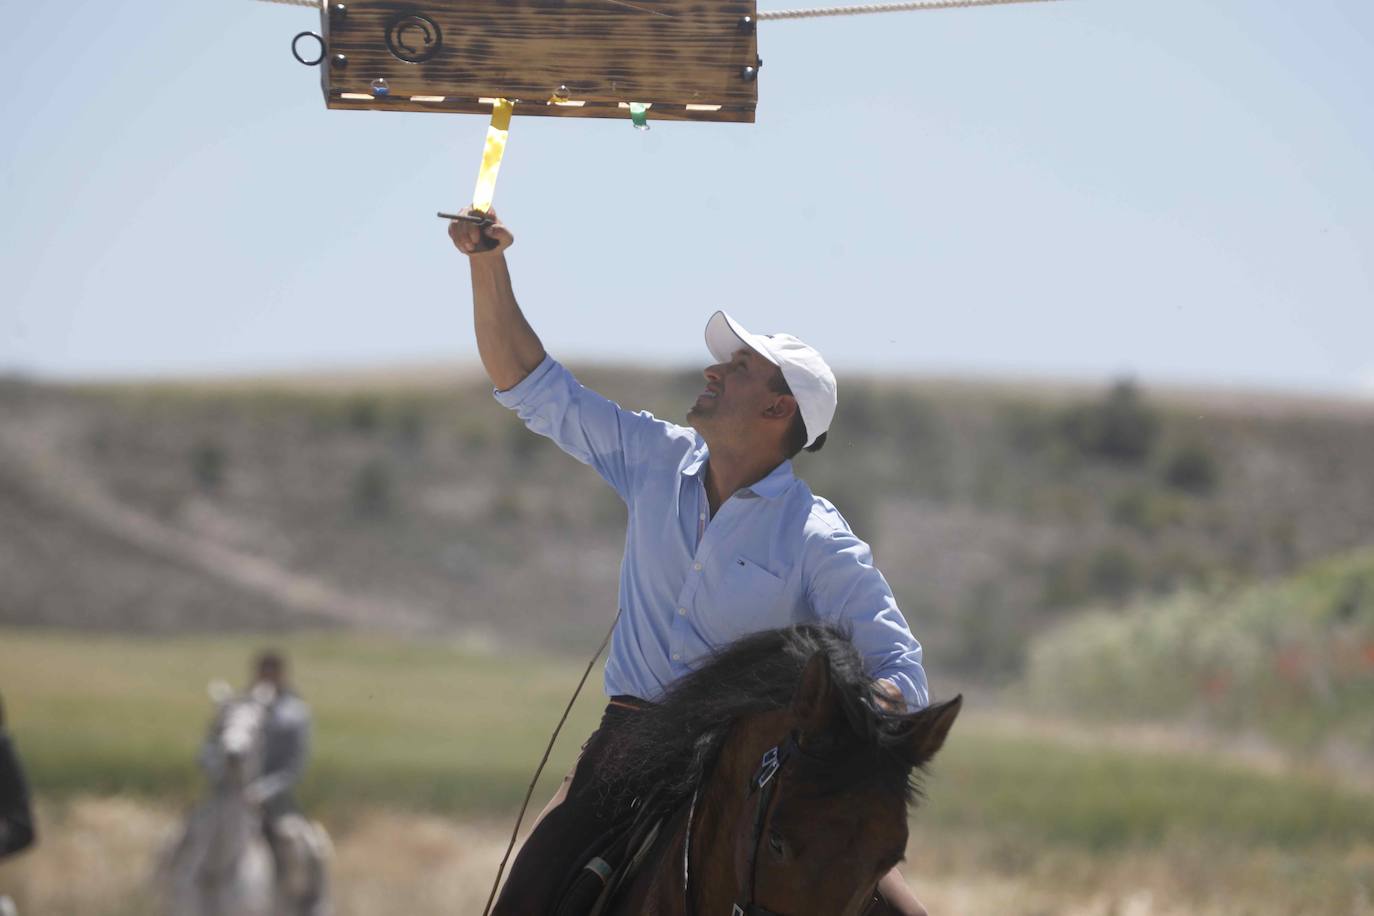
pixel 842 768
pixel 236 740
pixel 795 777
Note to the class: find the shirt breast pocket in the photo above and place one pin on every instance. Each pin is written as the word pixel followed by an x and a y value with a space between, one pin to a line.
pixel 750 598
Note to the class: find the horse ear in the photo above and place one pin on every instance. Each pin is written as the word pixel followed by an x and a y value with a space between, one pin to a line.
pixel 929 728
pixel 814 703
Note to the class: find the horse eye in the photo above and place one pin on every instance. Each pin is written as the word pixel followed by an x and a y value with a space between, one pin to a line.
pixel 775 842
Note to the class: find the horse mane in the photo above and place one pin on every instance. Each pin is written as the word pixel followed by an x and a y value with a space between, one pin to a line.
pixel 673 744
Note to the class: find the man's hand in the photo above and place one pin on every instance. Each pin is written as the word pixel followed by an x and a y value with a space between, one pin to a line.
pixel 480 241
pixel 889 697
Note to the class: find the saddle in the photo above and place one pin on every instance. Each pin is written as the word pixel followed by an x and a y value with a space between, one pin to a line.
pixel 611 861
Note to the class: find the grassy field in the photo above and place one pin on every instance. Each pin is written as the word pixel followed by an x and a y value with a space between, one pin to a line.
pixel 430 726
pixel 433 734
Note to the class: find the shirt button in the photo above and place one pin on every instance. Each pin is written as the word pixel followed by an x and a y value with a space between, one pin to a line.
pixel 703 516
pixel 676 657
pixel 682 610
pixel 697 567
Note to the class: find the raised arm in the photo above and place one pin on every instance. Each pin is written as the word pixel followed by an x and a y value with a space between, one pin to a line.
pixel 508 346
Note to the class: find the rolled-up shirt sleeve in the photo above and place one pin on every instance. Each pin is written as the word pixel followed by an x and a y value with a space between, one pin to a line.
pixel 847 590
pixel 593 429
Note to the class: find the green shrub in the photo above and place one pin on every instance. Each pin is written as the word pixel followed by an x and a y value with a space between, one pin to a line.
pixel 1029 428
pixel 990 640
pixel 372 495
pixel 1121 427
pixel 1192 469
pixel 1113 573
pixel 1137 509
pixel 506 506
pixel 363 414
pixel 208 462
pixel 1062 584
pixel 410 427
pixel 475 434
pixel 863 416
pixel 522 445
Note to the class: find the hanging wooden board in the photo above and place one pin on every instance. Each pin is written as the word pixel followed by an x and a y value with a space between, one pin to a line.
pixel 691 60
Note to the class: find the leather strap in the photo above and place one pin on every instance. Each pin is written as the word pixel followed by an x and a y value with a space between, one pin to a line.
pixel 764 785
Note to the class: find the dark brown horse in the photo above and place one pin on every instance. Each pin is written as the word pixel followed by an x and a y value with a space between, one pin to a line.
pixel 786 782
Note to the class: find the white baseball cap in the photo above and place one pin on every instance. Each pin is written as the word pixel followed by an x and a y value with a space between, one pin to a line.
pixel 811 381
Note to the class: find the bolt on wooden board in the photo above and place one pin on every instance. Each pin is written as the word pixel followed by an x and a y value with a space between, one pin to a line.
pixel 692 60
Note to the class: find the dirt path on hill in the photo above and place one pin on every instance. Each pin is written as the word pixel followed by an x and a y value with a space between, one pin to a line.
pixel 33 458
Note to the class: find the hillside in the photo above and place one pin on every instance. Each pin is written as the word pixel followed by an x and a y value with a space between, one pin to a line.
pixel 419 504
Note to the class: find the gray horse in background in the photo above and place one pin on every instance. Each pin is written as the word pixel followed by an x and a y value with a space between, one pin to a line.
pixel 222 864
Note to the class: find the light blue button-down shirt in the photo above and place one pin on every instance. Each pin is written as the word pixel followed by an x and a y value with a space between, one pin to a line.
pixel 773 555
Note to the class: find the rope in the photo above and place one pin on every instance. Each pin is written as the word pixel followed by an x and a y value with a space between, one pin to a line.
pixel 552 738
pixel 878 8
pixel 813 13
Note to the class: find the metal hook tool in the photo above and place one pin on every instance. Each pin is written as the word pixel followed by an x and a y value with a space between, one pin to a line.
pixel 479 219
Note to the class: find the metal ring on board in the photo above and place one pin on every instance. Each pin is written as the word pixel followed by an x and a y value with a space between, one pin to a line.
pixel 413 37
pixel 297 54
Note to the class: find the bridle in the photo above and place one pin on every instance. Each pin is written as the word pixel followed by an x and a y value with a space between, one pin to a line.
pixel 763 787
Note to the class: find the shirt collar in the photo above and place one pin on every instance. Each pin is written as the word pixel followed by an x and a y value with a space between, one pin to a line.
pixel 776 483
pixel 773 485
pixel 695 461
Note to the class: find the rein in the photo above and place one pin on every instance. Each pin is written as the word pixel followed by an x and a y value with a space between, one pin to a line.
pixel 515 831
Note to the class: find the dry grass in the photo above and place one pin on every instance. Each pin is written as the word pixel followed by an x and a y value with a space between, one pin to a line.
pixel 97 854
pixel 94 856
pixel 978 874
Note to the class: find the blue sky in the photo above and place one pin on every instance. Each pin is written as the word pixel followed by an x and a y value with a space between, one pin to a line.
pixel 1183 191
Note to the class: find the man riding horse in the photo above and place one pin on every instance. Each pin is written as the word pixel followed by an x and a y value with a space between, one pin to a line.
pixel 723 540
pixel 246 849
pixel 285 752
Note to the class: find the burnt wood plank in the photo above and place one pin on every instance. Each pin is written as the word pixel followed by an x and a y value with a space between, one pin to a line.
pixel 659 112
pixel 668 52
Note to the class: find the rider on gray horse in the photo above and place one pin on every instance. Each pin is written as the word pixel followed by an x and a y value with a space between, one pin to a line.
pixel 286 747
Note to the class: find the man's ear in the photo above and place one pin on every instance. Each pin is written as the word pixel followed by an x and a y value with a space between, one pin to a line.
pixel 782 407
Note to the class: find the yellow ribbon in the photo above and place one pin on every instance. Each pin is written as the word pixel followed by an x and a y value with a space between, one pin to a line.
pixel 491 154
